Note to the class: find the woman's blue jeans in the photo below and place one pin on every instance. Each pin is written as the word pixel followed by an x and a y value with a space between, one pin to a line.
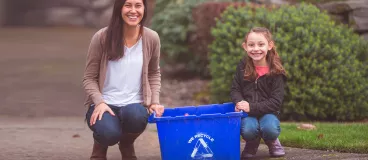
pixel 130 119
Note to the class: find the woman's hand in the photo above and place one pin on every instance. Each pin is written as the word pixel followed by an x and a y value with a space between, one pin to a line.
pixel 159 109
pixel 99 111
pixel 242 105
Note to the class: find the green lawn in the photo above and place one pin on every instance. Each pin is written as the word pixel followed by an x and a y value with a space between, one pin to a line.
pixel 343 137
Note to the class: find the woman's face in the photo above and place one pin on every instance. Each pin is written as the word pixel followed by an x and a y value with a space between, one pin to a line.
pixel 132 12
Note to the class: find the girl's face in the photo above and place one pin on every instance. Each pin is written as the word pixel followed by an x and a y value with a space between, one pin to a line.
pixel 132 12
pixel 257 47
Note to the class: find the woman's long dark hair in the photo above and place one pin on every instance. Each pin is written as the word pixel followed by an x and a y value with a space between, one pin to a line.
pixel 114 40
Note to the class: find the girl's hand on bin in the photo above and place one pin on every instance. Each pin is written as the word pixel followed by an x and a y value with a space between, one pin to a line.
pixel 99 111
pixel 242 105
pixel 159 109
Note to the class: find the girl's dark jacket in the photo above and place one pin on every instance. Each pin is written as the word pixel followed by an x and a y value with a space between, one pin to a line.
pixel 264 95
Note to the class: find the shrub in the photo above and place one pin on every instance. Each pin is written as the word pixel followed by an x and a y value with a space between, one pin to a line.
pixel 204 16
pixel 313 1
pixel 173 22
pixel 326 63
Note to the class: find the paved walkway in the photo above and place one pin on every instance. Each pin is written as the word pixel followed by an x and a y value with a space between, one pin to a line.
pixel 68 138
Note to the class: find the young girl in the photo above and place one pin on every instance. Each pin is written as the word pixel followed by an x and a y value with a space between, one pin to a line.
pixel 258 89
pixel 122 79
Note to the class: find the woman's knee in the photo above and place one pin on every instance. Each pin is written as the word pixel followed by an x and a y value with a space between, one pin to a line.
pixel 107 131
pixel 134 118
pixel 107 136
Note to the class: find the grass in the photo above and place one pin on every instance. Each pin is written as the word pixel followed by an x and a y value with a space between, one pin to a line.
pixel 342 137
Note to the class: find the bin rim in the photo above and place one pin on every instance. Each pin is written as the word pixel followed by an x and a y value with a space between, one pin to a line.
pixel 153 118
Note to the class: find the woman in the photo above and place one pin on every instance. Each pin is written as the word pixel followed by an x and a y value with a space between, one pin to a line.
pixel 122 79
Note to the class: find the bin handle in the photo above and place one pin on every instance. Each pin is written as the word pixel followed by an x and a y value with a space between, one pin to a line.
pixel 245 114
pixel 152 117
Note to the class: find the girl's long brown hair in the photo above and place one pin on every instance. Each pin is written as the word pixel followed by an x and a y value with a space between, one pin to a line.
pixel 272 58
pixel 114 40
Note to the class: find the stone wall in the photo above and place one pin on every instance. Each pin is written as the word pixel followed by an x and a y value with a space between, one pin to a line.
pixel 92 13
pixel 2 12
pixel 352 12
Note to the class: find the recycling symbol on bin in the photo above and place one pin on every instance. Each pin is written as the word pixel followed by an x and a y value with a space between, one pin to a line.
pixel 201 150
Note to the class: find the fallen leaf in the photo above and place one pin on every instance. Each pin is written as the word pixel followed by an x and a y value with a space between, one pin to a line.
pixel 320 136
pixel 76 136
pixel 307 126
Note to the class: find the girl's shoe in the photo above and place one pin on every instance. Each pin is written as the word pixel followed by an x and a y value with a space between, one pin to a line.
pixel 275 148
pixel 251 148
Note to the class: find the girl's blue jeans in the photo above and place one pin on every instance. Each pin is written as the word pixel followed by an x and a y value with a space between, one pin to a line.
pixel 266 126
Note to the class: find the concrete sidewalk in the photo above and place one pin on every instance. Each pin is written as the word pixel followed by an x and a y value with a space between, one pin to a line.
pixel 69 138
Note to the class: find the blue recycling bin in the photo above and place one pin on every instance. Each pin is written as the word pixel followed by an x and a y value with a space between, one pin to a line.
pixel 199 132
